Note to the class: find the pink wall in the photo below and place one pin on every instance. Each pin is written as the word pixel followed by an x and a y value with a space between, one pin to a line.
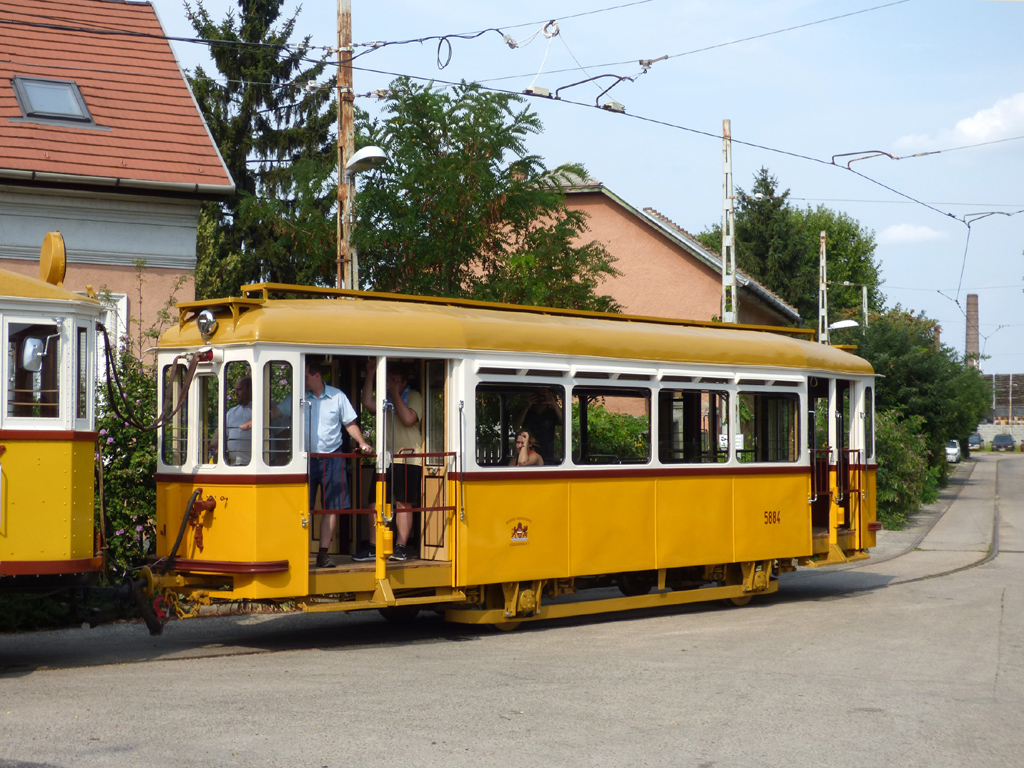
pixel 156 288
pixel 659 278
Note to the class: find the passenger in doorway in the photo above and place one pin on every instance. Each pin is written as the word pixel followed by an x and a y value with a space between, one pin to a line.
pixel 541 417
pixel 330 412
pixel 238 421
pixel 407 472
pixel 526 454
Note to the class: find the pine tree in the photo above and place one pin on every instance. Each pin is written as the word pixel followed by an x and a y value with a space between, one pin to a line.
pixel 273 122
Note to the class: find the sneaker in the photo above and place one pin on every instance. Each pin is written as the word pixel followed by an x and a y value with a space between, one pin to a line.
pixel 365 555
pixel 401 553
pixel 323 561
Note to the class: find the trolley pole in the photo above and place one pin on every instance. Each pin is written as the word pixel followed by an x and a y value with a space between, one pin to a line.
pixel 730 298
pixel 822 294
pixel 346 139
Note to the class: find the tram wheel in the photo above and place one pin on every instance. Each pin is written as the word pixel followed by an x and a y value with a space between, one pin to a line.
pixel 636 583
pixel 507 626
pixel 400 614
pixel 739 602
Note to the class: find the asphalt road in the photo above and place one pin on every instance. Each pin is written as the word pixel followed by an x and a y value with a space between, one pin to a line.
pixel 912 659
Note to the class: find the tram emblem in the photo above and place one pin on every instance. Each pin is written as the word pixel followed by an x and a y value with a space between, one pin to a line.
pixel 520 531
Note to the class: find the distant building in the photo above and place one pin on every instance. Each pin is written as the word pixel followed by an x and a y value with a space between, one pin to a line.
pixel 1007 398
pixel 101 139
pixel 666 271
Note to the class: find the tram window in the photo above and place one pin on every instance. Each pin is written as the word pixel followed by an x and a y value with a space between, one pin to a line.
pixel 693 426
pixel 33 355
pixel 769 425
pixel 278 388
pixel 434 406
pixel 208 389
pixel 174 436
pixel 237 413
pixel 503 409
pixel 610 425
pixel 869 423
pixel 82 374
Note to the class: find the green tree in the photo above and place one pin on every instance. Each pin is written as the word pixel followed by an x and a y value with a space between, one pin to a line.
pixel 276 137
pixel 463 209
pixel 778 245
pixel 920 377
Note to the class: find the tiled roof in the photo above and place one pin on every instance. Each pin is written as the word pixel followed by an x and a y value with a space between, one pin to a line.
pixel 149 131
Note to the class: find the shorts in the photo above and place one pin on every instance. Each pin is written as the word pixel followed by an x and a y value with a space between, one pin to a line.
pixel 407 479
pixel 329 471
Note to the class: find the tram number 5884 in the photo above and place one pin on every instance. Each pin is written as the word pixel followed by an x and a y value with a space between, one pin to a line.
pixel 772 517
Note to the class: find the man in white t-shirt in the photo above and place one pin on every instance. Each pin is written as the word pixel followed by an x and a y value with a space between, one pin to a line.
pixel 330 412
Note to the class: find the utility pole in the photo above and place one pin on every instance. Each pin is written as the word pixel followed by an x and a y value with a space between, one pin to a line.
pixel 822 295
pixel 730 298
pixel 346 139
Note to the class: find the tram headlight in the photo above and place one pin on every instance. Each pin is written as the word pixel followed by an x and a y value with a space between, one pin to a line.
pixel 207 324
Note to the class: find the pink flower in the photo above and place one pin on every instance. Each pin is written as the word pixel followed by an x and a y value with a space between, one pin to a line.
pixel 110 440
pixel 119 532
pixel 138 528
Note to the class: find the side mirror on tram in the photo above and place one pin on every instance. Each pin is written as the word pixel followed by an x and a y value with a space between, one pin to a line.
pixel 32 355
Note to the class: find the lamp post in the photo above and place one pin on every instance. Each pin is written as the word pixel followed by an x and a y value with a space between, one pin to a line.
pixel 863 298
pixel 365 159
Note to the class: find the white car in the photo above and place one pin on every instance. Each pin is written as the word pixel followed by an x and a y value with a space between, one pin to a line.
pixel 953 451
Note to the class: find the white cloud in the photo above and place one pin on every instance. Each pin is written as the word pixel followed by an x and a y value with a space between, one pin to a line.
pixel 1003 120
pixel 909 233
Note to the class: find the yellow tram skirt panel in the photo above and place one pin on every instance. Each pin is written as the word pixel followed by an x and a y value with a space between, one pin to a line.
pixel 47 500
pixel 254 526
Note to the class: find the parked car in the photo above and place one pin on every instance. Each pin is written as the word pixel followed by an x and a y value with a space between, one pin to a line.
pixel 953 451
pixel 1002 443
pixel 974 442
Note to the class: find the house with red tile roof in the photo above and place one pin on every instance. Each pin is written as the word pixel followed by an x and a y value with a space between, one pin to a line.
pixel 666 271
pixel 101 140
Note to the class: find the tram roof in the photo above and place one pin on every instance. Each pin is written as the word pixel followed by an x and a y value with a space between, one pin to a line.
pixel 17 286
pixel 424 323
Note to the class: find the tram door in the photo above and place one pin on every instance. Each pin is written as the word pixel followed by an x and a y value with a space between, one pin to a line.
pixel 820 456
pixel 848 461
pixel 435 533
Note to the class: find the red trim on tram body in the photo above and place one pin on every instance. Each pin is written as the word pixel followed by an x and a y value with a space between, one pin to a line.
pixel 50 567
pixel 613 471
pixel 54 435
pixel 223 478
pixel 228 566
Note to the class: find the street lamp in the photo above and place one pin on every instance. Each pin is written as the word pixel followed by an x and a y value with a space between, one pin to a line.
pixel 365 159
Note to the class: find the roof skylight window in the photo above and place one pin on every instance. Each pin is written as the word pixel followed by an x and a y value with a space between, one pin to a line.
pixel 58 100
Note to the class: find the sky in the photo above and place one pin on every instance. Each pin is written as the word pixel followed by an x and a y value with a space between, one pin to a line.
pixel 801 82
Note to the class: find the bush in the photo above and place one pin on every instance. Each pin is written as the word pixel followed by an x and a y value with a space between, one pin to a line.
pixel 128 457
pixel 905 479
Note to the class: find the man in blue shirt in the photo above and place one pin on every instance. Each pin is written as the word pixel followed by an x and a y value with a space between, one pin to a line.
pixel 330 411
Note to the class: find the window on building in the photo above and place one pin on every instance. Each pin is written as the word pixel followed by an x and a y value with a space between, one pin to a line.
pixel 693 426
pixel 51 99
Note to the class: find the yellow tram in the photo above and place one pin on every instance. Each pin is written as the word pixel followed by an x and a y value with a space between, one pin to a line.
pixel 47 428
pixel 682 461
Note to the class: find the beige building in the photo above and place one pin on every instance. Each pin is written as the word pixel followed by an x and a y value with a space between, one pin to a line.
pixel 666 272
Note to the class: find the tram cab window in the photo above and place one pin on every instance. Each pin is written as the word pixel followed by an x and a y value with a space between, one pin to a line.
pixel 611 425
pixel 237 427
pixel 869 423
pixel 693 426
pixel 769 426
pixel 174 435
pixel 278 412
pixel 502 410
pixel 82 373
pixel 208 390
pixel 33 386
